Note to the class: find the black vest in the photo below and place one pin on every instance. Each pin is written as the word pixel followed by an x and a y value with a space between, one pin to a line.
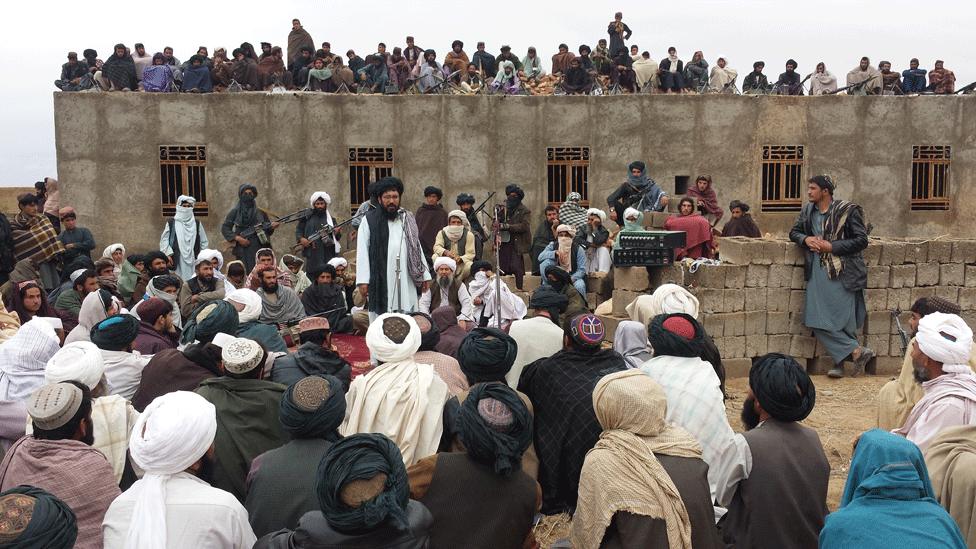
pixel 175 245
pixel 473 507
pixel 462 243
pixel 452 296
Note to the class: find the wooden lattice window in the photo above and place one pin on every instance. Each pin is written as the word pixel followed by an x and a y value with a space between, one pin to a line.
pixel 183 170
pixel 366 165
pixel 567 171
pixel 930 177
pixel 782 178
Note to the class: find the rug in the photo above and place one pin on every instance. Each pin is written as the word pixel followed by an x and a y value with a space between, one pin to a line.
pixel 353 349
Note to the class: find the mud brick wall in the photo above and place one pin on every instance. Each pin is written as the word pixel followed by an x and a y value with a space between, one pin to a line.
pixel 753 302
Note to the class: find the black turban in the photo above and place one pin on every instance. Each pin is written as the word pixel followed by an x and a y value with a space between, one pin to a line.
pixel 155 254
pixel 162 281
pixel 563 278
pixel 513 188
pixel 487 432
pixel 791 62
pixel 824 182
pixel 388 183
pixel 430 189
pixel 481 265
pixel 758 64
pixel 430 338
pixel 209 319
pixel 135 258
pixel 666 343
pixel 313 407
pixel 361 457
pixel 549 300
pixel 115 333
pixel 51 525
pixel 464 198
pixel 738 204
pixel 486 354
pixel 205 355
pixel 637 164
pixel 782 387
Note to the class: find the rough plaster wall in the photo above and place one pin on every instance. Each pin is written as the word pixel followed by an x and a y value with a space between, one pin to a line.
pixel 290 145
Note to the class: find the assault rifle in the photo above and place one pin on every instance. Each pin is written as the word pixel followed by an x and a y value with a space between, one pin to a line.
pixel 261 229
pixel 901 331
pixel 327 231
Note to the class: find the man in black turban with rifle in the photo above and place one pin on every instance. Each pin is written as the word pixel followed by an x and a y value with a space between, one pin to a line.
pixel 784 471
pixel 246 215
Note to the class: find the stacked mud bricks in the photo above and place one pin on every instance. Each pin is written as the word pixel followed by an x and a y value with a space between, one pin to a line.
pixel 753 302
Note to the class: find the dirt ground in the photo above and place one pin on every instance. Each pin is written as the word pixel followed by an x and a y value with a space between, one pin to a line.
pixel 845 408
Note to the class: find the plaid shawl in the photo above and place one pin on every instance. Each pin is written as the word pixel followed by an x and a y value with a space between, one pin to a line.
pixel 833 227
pixel 35 238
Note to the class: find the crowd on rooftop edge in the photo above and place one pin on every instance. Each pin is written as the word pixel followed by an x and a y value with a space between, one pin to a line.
pixel 610 68
pixel 167 399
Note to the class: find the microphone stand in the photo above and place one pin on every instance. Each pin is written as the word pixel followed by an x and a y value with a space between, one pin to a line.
pixel 397 270
pixel 498 263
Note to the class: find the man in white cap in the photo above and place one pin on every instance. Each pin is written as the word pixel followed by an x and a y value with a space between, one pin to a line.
pixel 173 505
pixel 112 416
pixel 59 458
pixel 317 254
pixel 247 412
pixel 400 398
pixel 940 356
pixel 448 290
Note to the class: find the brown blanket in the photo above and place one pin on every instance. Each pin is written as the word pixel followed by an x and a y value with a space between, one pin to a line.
pixel 35 238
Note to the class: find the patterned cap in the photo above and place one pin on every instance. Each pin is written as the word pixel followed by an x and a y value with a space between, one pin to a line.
pixel 396 329
pixel 310 323
pixel 587 330
pixel 680 326
pixel 241 355
pixel 497 416
pixel 52 406
pixel 310 393
pixel 16 511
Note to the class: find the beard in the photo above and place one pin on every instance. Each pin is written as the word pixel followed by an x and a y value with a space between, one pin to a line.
pixel 391 212
pixel 921 375
pixel 749 416
pixel 158 272
pixel 207 467
pixel 512 203
pixel 89 437
pixel 444 282
pixel 270 288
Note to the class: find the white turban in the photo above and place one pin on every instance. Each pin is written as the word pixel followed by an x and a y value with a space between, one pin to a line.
pixel 460 215
pixel 174 432
pixel 597 212
pixel 337 262
pixel 385 349
pixel 107 252
pixel 947 339
pixel 317 195
pixel 77 361
pixel 443 260
pixel 666 299
pixel 631 212
pixel 566 229
pixel 210 255
pixel 251 302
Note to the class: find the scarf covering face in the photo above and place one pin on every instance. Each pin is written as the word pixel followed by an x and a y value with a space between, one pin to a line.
pixel 621 472
pixel 667 343
pixel 487 354
pixel 313 407
pixel 23 358
pixel 947 339
pixel 185 226
pixel 251 302
pixel 209 319
pixel 385 349
pixel 708 197
pixel 637 224
pixel 51 523
pixel 362 457
pixel 247 210
pixel 155 289
pixel 782 387
pixel 79 361
pixel 173 433
pixel 499 446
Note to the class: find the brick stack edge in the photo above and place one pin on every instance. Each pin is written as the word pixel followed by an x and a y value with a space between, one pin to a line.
pixel 753 303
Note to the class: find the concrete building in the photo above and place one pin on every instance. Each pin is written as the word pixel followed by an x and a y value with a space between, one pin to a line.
pixel 891 154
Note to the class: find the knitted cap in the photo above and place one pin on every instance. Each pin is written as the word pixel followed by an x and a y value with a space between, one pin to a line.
pixel 53 406
pixel 310 393
pixel 241 355
pixel 680 327
pixel 497 416
pixel 310 323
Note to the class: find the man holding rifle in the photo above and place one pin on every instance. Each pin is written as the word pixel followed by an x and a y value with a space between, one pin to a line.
pixel 317 254
pixel 246 215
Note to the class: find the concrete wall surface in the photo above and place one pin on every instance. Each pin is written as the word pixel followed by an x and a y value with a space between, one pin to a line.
pixel 290 145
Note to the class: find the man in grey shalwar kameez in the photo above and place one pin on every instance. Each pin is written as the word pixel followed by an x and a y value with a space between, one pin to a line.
pixel 834 235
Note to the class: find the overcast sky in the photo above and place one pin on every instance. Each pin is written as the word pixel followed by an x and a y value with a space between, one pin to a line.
pixel 37 35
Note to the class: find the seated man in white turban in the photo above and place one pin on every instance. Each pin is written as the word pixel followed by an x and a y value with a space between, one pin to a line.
pixel 113 417
pixel 667 299
pixel 596 239
pixel 448 290
pixel 457 242
pixel 174 505
pixel 400 398
pixel 940 355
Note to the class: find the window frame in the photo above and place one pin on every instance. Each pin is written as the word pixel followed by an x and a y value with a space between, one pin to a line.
pixel 935 162
pixel 785 163
pixel 574 164
pixel 374 163
pixel 186 168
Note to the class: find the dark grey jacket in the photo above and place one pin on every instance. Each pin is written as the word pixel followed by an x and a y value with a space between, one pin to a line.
pixel 314 532
pixel 853 241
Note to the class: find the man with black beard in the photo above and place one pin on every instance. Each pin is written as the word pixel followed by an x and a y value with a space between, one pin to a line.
pixel 279 304
pixel 789 81
pixel 316 218
pixel 157 264
pixel 545 235
pixel 465 203
pixel 782 471
pixel 174 444
pixel 391 269
pixel 200 289
pixel 515 233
